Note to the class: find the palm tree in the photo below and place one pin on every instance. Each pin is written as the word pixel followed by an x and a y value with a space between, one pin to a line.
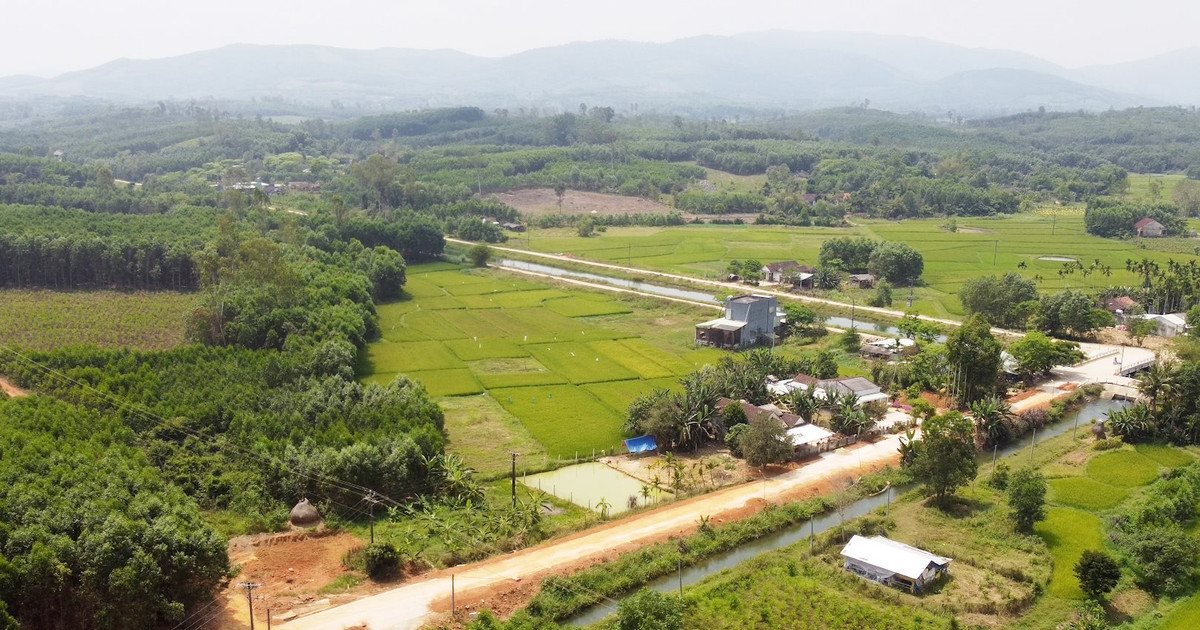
pixel 604 506
pixel 1132 423
pixel 993 418
pixel 1158 381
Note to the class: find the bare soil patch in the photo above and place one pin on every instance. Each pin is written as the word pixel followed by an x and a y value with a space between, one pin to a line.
pixel 540 201
pixel 706 469
pixel 11 390
pixel 291 568
pixel 1114 336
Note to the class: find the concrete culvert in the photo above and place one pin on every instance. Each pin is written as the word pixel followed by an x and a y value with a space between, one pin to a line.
pixel 304 515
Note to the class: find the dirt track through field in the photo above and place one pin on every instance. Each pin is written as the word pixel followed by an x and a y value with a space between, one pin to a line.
pixel 12 390
pixel 412 605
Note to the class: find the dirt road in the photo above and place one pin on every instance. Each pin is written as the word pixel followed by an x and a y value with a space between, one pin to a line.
pixel 731 286
pixel 13 391
pixel 408 607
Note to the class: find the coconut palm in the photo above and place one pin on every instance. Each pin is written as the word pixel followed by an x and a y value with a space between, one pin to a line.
pixel 803 403
pixel 604 506
pixel 1158 382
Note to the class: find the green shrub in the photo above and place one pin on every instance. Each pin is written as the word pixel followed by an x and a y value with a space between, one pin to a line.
pixel 733 439
pixel 1108 445
pixel 381 560
pixel 999 478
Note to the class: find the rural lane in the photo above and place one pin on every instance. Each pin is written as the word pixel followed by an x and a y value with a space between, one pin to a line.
pixel 732 286
pixel 409 606
pixel 13 391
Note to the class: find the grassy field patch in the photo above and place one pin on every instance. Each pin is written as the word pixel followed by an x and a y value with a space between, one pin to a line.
pixel 579 363
pixel 45 320
pixel 419 325
pixel 1085 493
pixel 1122 468
pixel 566 420
pixel 1068 532
pixel 1186 616
pixel 413 356
pixel 484 433
pixel 1168 456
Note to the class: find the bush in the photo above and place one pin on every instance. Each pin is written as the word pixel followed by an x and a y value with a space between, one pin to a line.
pixel 479 255
pixel 999 479
pixel 381 561
pixel 733 439
pixel 1098 573
pixel 1108 445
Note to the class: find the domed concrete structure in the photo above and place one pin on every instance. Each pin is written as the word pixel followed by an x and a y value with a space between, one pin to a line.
pixel 304 515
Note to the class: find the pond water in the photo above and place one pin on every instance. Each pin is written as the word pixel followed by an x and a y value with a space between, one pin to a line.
pixel 589 484
pixel 799 532
pixel 1058 258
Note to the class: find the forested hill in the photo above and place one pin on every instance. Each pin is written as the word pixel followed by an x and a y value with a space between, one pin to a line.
pixel 780 70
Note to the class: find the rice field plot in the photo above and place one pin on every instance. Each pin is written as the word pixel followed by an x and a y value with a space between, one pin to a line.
pixel 513 299
pixel 486 348
pixel 45 320
pixel 490 287
pixel 451 382
pixel 513 372
pixel 566 420
pixel 1085 494
pixel 1186 616
pixel 418 286
pixel 1168 456
pixel 579 363
pixel 1124 469
pixel 623 353
pixel 1068 532
pixel 586 307
pixel 409 357
pixel 419 325
pixel 617 395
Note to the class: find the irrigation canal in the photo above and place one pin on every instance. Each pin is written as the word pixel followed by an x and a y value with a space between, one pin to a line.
pixel 681 294
pixel 797 533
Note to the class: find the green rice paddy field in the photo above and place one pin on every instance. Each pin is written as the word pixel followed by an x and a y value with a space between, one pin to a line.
pixel 546 372
pixel 981 246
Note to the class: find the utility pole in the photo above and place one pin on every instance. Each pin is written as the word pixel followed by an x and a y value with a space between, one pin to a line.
pixel 250 586
pixel 371 500
pixel 1032 443
pixel 514 479
pixel 910 293
pixel 453 608
pixel 995 250
pixel 852 313
pixel 268 619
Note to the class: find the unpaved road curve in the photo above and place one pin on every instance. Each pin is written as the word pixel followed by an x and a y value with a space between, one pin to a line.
pixel 410 606
pixel 12 390
pixel 732 286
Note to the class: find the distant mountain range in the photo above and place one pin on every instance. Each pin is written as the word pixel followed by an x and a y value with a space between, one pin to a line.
pixel 776 70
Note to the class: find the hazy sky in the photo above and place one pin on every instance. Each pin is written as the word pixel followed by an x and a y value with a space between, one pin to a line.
pixel 46 37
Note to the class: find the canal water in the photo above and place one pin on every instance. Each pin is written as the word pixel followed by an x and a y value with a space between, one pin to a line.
pixel 799 532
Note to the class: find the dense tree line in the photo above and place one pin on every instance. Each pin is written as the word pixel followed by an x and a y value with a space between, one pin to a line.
pixel 72 249
pixel 1114 218
pixel 90 526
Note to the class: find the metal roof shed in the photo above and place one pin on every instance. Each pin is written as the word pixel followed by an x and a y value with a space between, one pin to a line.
pixel 893 563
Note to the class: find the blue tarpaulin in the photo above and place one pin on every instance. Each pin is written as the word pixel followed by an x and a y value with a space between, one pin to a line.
pixel 641 444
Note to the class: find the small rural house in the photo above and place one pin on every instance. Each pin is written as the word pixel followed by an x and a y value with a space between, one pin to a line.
pixel 862 280
pixel 514 227
pixel 1149 228
pixel 1169 325
pixel 309 187
pixel 806 437
pixel 865 390
pixel 893 563
pixel 774 272
pixel 1118 306
pixel 888 348
pixel 789 271
pixel 748 320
